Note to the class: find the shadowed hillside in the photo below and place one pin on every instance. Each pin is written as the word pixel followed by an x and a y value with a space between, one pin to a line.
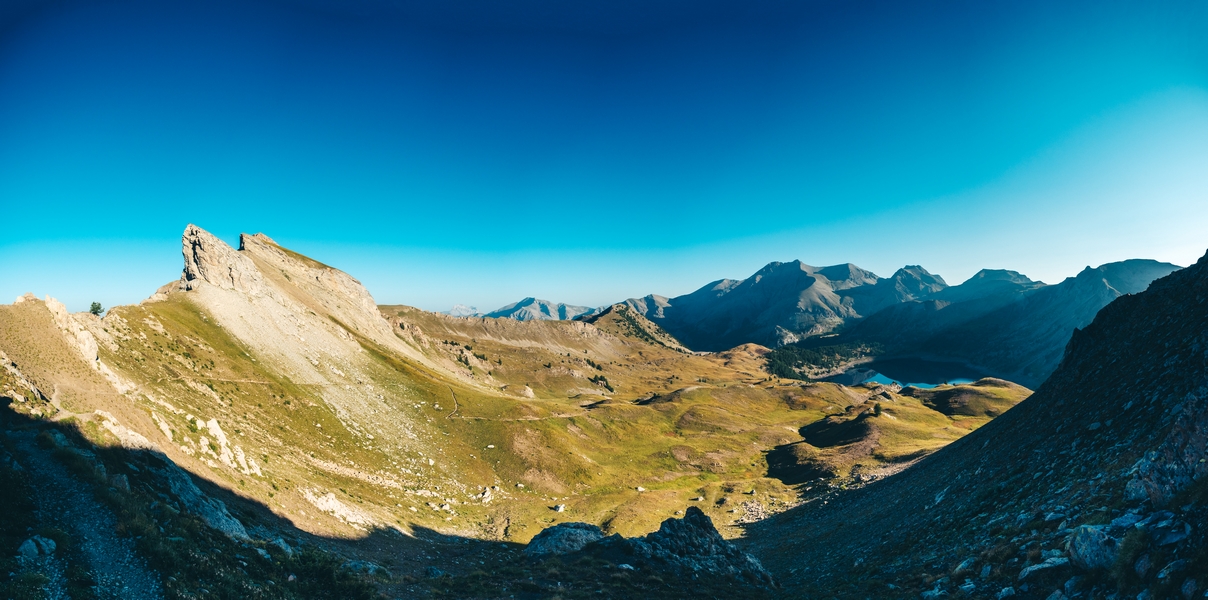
pixel 1001 322
pixel 1098 476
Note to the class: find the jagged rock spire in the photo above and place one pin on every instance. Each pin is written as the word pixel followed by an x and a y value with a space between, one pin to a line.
pixel 209 259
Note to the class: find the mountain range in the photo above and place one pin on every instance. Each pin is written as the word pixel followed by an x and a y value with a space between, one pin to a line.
pixel 998 322
pixel 781 303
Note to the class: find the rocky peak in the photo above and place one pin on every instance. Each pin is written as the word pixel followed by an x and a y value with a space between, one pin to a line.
pixel 845 276
pixel 1000 275
pixel 211 260
pixel 1127 276
pixel 919 280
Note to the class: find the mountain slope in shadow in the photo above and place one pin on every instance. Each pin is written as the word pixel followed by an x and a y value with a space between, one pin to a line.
pixel 1055 488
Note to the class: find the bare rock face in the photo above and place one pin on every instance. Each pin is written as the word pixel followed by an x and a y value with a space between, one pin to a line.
pixel 209 259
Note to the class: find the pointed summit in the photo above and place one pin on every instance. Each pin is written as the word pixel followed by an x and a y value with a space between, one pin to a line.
pixel 211 260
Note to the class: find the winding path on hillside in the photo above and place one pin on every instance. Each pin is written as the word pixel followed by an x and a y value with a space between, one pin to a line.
pixel 68 504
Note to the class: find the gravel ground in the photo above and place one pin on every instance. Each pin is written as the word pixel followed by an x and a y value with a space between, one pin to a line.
pixel 68 504
pixel 53 568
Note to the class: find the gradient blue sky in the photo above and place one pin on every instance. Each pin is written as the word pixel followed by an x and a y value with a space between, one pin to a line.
pixel 452 152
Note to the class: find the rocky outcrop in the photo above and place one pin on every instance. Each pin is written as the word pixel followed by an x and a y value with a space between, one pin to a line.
pixel 211 260
pixel 690 547
pixel 36 546
pixel 75 334
pixel 563 538
pixel 17 386
pixel 1182 458
pixel 211 510
pixel 693 544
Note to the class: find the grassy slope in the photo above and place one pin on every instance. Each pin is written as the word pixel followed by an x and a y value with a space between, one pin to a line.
pixel 856 441
pixel 680 426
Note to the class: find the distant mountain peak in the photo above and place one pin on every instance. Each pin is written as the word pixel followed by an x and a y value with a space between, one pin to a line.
pixel 779 303
pixel 1000 275
pixel 461 310
pixel 535 309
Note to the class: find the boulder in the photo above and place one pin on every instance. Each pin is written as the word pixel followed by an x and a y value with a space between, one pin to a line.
pixel 36 546
pixel 1125 521
pixel 285 547
pixel 27 549
pixel 1189 588
pixel 1134 491
pixel 1051 563
pixel 966 566
pixel 932 594
pixel 1171 569
pixel 1172 533
pixel 1092 548
pixel 45 546
pixel 1142 566
pixel 369 568
pixel 563 538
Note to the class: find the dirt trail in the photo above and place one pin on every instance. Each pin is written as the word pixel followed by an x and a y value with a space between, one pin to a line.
pixel 68 504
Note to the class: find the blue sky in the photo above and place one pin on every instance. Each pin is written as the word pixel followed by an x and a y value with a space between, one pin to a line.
pixel 587 152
